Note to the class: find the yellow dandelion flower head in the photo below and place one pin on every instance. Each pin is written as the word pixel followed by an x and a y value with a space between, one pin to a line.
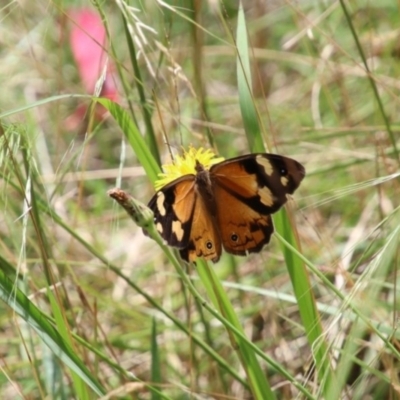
pixel 186 164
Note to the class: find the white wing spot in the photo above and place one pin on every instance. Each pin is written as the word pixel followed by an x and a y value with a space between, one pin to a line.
pixel 160 203
pixel 284 180
pixel 177 229
pixel 266 196
pixel 265 164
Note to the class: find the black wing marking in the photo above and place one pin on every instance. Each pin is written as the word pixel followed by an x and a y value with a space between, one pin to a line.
pixel 173 207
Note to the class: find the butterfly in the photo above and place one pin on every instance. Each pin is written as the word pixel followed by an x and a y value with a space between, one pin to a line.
pixel 227 206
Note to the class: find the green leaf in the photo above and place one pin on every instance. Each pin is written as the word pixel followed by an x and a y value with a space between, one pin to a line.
pixel 134 137
pixel 246 100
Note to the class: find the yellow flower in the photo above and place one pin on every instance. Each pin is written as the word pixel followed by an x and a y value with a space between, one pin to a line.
pixel 185 165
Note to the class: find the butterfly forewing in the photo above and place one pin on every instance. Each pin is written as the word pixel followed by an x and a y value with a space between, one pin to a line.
pixel 173 207
pixel 247 190
pixel 262 181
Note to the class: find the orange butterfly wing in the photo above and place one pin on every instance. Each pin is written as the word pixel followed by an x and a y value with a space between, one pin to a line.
pixel 247 190
pixel 173 208
pixel 183 220
pixel 242 229
pixel 204 238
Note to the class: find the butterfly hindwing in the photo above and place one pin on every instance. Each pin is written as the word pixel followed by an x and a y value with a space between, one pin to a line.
pixel 242 229
pixel 204 239
pixel 173 208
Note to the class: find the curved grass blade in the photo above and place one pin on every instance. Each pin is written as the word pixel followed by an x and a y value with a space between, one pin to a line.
pixel 43 102
pixel 151 137
pixel 298 274
pixel 372 81
pixel 28 311
pixel 244 80
pixel 258 382
pixel 134 137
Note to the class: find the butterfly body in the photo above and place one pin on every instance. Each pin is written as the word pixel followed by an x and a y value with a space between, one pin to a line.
pixel 227 206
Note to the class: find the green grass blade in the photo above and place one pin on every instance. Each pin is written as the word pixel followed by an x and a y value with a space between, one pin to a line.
pixel 298 274
pixel 372 81
pixel 155 361
pixel 244 80
pixel 42 102
pixel 134 137
pixel 377 272
pixel 63 330
pixel 28 311
pixel 145 106
pixel 227 316
pixel 258 383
